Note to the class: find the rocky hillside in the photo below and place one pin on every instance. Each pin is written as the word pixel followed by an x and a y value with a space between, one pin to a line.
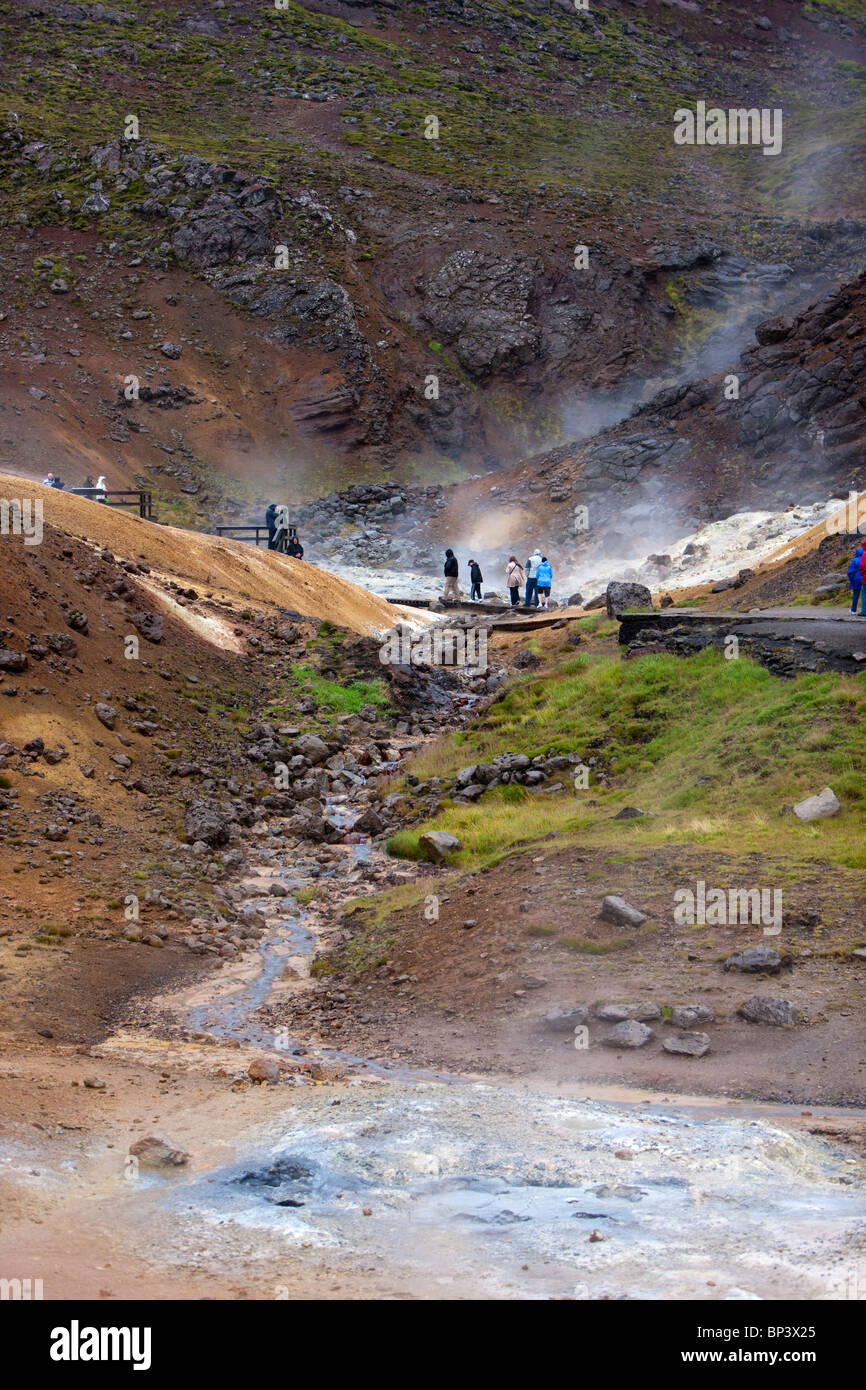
pixel 793 435
pixel 233 262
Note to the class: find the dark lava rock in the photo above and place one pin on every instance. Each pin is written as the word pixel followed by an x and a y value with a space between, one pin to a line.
pixel 778 1013
pixel 755 959
pixel 205 820
pixel 620 598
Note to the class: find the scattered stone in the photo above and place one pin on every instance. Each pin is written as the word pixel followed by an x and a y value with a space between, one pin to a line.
pixel 74 618
pixel 12 661
pixel 565 1020
pixel 618 1013
pixel 171 350
pixel 622 598
pixel 264 1069
pixel 156 1152
pixel 621 913
pixel 688 1044
pixel 439 845
pixel 311 747
pixel 204 820
pixel 630 1034
pixel 106 714
pixel 687 1015
pixel 824 804
pixel 754 959
pixel 779 1013
pixel 150 625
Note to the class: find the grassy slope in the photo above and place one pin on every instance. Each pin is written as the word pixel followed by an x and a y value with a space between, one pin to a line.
pixel 659 725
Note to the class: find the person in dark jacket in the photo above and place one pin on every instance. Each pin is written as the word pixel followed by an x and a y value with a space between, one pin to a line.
pixel 452 589
pixel 477 580
pixel 294 548
pixel 271 523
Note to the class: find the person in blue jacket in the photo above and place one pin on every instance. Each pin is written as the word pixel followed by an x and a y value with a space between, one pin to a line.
pixel 544 579
pixel 855 579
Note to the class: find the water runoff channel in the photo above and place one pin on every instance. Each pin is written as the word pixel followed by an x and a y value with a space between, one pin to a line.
pixel 450 1186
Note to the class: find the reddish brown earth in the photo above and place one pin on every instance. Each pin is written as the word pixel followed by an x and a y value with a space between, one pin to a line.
pixel 474 997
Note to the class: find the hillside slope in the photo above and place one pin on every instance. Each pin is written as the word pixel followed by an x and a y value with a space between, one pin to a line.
pixel 156 257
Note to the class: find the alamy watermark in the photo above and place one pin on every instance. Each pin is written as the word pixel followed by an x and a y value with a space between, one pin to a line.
pixel 740 126
pixel 22 517
pixel 457 647
pixel 731 907
pixel 20 1289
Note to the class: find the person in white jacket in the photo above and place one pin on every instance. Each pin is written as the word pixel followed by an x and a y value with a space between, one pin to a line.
pixel 532 578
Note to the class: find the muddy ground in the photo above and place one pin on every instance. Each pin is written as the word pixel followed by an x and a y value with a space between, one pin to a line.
pixel 470 991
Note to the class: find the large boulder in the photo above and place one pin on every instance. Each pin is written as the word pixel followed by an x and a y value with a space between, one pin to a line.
pixel 311 747
pixel 155 1152
pixel 150 625
pixel 106 714
pixel 264 1069
pixel 205 820
pixel 221 234
pixel 818 807
pixel 12 661
pixel 774 330
pixel 627 598
pixel 369 822
pixel 779 1013
pixel 755 959
pixel 438 845
pixel 621 913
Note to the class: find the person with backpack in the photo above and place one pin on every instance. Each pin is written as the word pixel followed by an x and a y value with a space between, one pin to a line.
pixel 544 579
pixel 452 591
pixel 515 577
pixel 477 579
pixel 532 578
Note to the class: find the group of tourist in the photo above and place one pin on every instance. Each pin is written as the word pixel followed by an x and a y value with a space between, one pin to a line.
pixel 535 578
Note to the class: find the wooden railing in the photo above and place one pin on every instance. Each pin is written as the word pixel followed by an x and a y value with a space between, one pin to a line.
pixel 131 497
pixel 249 533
